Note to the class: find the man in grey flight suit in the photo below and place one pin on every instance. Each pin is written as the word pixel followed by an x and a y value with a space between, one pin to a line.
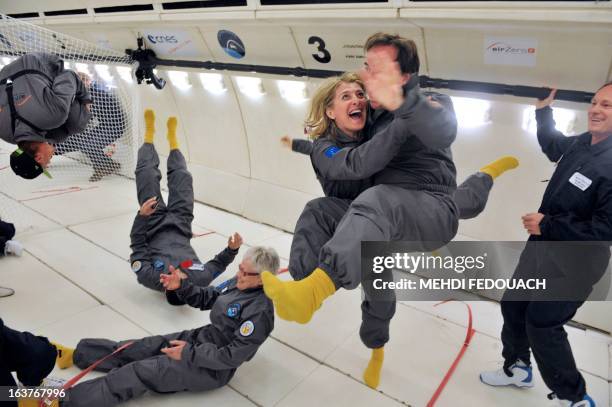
pixel 161 233
pixel 41 104
pixel 407 154
pixel 241 316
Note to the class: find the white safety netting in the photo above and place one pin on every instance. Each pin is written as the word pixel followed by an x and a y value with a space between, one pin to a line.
pixel 109 143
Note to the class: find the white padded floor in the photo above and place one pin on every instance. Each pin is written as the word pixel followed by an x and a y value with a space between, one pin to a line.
pixel 74 281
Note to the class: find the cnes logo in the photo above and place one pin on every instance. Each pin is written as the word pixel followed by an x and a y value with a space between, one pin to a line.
pixel 162 39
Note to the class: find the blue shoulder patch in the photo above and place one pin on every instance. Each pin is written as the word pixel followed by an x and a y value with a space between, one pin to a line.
pixel 331 151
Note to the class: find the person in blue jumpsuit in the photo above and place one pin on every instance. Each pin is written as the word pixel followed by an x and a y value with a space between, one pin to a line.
pixel 576 207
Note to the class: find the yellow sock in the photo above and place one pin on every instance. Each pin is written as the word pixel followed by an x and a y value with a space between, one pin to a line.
pixel 371 375
pixel 64 356
pixel 149 126
pixel 172 122
pixel 34 403
pixel 298 300
pixel 499 166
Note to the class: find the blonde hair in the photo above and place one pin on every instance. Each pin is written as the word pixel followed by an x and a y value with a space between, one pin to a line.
pixel 317 123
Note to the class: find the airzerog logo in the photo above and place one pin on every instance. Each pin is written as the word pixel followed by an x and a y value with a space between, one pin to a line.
pixel 505 48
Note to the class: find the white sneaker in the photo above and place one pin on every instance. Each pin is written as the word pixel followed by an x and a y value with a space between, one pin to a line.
pixel 585 402
pixel 13 247
pixel 522 376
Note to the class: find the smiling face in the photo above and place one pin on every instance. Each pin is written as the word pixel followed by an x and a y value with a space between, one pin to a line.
pixel 600 113
pixel 247 276
pixel 348 108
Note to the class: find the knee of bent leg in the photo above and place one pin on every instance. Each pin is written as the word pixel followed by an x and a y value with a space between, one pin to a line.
pixel 549 314
pixel 373 200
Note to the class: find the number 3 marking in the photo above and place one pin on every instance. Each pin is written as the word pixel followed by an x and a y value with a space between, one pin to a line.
pixel 321 48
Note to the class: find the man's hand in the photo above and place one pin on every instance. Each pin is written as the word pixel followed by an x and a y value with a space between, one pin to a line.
pixel 148 207
pixel 286 141
pixel 175 351
pixel 539 104
pixel 531 222
pixel 383 80
pixel 234 242
pixel 172 281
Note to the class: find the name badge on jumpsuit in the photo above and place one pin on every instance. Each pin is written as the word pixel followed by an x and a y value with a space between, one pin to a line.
pixel 580 181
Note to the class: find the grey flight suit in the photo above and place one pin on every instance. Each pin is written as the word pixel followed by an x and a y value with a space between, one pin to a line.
pixel 49 100
pixel 321 216
pixel 411 167
pixel 164 237
pixel 240 322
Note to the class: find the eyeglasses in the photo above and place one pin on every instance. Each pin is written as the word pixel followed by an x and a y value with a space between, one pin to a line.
pixel 249 274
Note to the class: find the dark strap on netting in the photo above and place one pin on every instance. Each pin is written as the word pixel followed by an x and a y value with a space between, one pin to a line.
pixel 25 72
pixel 8 82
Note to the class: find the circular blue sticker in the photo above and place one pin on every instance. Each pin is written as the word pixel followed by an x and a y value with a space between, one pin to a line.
pixel 231 44
pixel 233 310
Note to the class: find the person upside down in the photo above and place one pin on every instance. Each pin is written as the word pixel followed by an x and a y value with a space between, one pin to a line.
pixel 161 233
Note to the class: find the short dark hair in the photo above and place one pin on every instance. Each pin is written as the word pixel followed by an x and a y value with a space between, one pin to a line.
pixel 407 55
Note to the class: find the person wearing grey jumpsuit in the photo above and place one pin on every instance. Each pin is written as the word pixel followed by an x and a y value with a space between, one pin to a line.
pixel 241 320
pixel 163 238
pixel 321 217
pixel 471 198
pixel 41 105
pixel 48 104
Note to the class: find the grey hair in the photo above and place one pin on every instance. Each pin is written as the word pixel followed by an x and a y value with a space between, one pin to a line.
pixel 263 259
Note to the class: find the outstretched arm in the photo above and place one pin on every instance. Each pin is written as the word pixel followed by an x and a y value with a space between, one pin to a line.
pixel 553 143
